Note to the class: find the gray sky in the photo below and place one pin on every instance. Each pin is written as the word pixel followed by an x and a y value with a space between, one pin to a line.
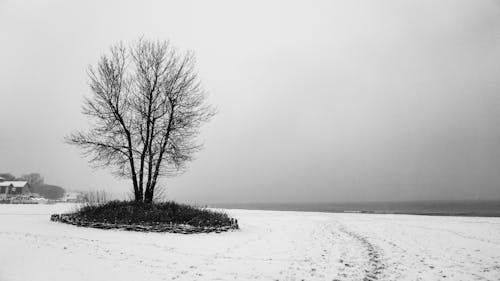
pixel 318 100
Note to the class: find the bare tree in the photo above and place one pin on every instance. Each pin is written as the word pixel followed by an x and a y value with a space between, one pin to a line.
pixel 147 106
pixel 33 179
pixel 7 176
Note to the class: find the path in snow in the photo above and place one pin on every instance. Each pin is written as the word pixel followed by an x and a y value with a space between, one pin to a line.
pixel 373 266
pixel 269 246
pixel 432 248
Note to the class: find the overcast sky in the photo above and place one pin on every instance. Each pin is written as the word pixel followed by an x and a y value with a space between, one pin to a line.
pixel 318 100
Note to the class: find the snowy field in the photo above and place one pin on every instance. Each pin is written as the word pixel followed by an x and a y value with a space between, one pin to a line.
pixel 270 246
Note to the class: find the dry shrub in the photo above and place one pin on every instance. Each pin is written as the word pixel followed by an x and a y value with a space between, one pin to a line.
pixel 96 198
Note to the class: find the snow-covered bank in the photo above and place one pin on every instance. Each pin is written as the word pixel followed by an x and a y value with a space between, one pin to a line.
pixel 270 246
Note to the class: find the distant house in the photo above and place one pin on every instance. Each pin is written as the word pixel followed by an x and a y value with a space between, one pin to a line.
pixel 10 189
pixel 74 197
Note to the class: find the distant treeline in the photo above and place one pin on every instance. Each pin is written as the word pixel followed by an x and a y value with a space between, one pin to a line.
pixel 37 185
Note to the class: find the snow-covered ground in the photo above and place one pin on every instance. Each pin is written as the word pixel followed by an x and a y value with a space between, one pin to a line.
pixel 270 246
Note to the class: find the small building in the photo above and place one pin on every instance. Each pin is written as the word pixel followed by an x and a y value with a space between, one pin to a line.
pixel 10 189
pixel 73 197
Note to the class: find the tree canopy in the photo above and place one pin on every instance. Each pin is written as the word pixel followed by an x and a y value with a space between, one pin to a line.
pixel 146 108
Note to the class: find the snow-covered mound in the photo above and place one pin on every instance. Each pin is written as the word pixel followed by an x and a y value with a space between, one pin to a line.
pixel 269 246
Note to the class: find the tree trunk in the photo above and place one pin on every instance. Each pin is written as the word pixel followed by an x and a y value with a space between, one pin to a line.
pixel 149 194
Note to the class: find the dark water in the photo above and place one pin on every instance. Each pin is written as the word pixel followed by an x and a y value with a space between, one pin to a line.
pixel 444 208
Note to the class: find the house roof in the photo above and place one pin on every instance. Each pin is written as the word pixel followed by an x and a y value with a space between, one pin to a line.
pixel 14 183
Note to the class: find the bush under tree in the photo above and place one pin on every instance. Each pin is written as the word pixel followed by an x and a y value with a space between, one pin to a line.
pixel 133 212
